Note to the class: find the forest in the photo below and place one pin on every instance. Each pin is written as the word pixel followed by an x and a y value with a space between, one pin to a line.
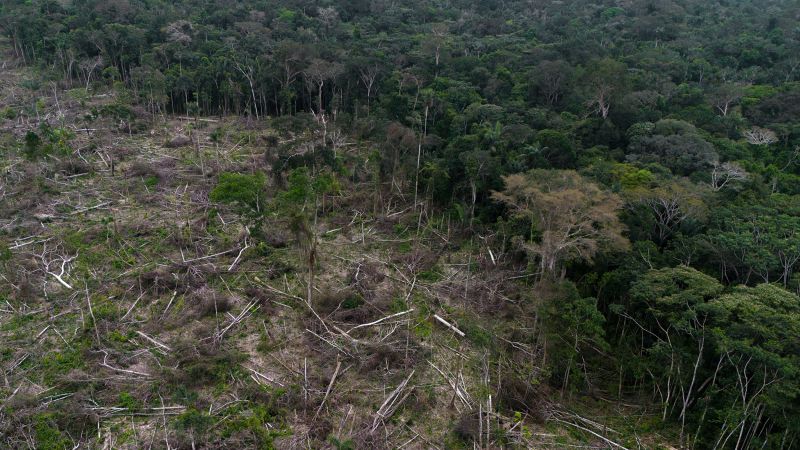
pixel 419 224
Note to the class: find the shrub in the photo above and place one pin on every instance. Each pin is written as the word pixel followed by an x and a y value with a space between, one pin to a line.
pixel 244 191
pixel 8 113
pixel 48 437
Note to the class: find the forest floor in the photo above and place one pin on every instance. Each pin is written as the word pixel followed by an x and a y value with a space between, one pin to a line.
pixel 135 313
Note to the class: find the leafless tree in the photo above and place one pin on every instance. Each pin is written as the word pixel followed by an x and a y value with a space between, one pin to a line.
pixel 760 136
pixel 337 140
pixel 725 173
pixel 439 33
pixel 248 71
pixel 179 31
pixel 368 76
pixel 317 73
pixel 328 17
pixel 55 262
pixel 726 96
pixel 751 383
pixel 291 58
pixel 88 67
pixel 671 204
pixel 605 81
pixel 551 77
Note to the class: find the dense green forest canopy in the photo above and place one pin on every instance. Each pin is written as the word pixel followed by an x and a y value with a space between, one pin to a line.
pixel 641 159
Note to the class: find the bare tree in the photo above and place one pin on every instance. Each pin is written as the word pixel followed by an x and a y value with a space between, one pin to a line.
pixel 317 73
pixel 400 141
pixel 368 75
pixel 248 71
pixel 725 173
pixel 88 67
pixel 671 204
pixel 55 262
pixel 290 57
pixel 725 96
pixel 760 136
pixel 605 80
pixel 328 17
pixel 751 384
pixel 179 31
pixel 439 34
pixel 337 140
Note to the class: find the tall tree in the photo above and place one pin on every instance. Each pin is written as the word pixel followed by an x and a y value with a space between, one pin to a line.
pixel 318 72
pixel 551 79
pixel 300 202
pixel 670 308
pixel 606 80
pixel 574 217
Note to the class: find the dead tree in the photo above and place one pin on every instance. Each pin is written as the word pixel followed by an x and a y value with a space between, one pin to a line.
pixel 760 136
pixel 57 263
pixel 725 173
pixel 368 76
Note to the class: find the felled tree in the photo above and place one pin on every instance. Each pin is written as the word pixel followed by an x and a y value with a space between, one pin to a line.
pixel 575 218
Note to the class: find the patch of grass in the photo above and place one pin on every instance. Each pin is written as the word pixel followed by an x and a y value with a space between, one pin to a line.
pixel 8 113
pixel 151 181
pixel 475 333
pixel 193 419
pixel 353 301
pixel 76 239
pixel 401 230
pixel 252 423
pixel 16 322
pixel 78 94
pixel 423 327
pixel 341 444
pixel 117 336
pixel 431 275
pixel 127 400
pixel 184 395
pixel 123 262
pixel 398 305
pixel 6 354
pixel 267 345
pixel 55 364
pixel 243 190
pixel 104 309
pixel 180 302
pixel 48 436
pixel 45 187
pixel 209 368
